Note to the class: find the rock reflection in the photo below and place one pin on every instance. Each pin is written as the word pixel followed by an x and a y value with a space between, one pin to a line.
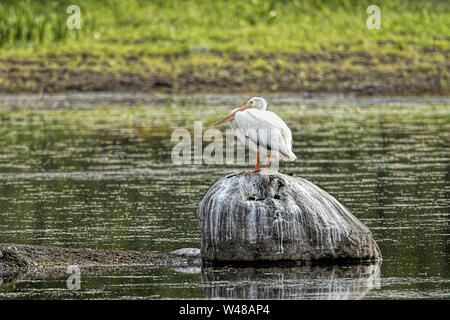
pixel 306 282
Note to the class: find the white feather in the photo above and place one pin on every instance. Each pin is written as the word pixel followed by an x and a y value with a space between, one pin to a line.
pixel 255 127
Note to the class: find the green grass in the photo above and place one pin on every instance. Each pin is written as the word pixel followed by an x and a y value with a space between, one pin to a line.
pixel 174 27
pixel 171 37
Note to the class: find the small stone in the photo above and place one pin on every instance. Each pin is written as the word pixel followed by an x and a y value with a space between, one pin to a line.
pixel 187 252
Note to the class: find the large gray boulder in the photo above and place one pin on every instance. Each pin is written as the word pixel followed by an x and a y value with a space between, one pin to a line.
pixel 274 217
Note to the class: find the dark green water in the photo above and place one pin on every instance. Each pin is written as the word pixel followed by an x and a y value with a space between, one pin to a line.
pixel 102 177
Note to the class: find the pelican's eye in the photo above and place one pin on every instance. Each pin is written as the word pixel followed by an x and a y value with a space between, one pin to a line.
pixel 251 102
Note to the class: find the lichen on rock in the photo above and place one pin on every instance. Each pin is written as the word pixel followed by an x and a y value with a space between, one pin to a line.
pixel 274 217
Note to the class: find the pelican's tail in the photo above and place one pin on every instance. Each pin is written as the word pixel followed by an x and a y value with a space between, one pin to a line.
pixel 289 157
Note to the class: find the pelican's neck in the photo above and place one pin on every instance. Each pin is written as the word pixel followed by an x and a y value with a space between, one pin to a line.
pixel 263 106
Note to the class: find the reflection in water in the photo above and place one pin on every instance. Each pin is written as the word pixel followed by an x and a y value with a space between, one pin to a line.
pixel 307 282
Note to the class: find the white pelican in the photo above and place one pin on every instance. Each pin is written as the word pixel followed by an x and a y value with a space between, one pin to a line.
pixel 255 126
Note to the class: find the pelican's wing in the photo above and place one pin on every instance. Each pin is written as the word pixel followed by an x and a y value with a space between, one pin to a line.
pixel 266 129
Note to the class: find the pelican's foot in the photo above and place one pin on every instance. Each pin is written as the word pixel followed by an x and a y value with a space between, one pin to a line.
pixel 253 171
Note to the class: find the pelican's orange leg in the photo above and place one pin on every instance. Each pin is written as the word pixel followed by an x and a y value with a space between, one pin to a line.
pixel 257 164
pixel 268 161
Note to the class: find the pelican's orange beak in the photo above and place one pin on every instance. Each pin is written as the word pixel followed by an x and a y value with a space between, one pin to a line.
pixel 231 115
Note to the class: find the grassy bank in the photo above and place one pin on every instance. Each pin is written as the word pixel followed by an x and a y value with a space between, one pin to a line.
pixel 197 46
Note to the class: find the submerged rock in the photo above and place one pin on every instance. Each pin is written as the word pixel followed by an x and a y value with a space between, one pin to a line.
pixel 38 262
pixel 13 261
pixel 274 217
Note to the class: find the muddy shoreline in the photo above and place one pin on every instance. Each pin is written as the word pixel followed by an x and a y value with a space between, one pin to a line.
pixel 327 72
